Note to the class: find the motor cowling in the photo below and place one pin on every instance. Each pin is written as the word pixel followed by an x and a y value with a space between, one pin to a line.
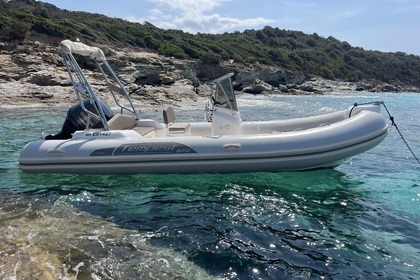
pixel 76 119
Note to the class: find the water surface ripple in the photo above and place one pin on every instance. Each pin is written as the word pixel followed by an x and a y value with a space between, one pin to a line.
pixel 358 221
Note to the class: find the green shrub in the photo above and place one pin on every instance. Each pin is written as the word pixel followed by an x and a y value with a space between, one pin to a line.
pixel 171 50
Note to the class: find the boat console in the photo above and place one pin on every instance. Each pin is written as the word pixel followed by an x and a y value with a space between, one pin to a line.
pixel 222 109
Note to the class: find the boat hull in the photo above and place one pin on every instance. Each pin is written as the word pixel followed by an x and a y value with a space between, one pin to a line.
pixel 125 152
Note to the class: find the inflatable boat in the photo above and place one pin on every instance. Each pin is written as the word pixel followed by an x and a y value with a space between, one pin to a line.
pixel 96 140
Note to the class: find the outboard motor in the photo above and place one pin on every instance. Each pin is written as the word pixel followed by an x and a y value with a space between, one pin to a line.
pixel 76 119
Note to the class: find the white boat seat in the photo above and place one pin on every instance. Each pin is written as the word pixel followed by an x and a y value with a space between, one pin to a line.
pixel 143 130
pixel 120 121
pixel 169 120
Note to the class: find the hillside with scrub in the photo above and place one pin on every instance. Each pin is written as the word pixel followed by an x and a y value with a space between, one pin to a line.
pixel 309 55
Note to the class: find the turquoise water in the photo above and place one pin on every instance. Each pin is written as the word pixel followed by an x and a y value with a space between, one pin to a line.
pixel 358 221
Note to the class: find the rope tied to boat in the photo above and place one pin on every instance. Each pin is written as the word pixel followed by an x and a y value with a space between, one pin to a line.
pixel 392 124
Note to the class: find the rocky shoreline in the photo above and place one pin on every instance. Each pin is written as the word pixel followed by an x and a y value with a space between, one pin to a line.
pixel 32 73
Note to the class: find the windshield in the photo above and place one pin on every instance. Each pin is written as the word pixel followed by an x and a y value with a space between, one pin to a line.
pixel 224 96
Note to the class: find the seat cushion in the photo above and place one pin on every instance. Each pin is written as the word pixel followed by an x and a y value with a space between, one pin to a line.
pixel 179 127
pixel 119 122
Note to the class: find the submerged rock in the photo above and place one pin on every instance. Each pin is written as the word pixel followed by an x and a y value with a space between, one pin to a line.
pixel 58 241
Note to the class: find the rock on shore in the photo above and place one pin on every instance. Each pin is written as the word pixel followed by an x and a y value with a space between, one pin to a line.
pixel 32 72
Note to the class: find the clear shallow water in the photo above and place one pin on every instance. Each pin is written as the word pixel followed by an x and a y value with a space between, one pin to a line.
pixel 359 220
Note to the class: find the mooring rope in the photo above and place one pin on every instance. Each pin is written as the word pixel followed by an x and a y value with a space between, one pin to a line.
pixel 399 132
pixel 393 124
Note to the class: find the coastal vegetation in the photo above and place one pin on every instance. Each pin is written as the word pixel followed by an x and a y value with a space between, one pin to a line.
pixel 310 54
